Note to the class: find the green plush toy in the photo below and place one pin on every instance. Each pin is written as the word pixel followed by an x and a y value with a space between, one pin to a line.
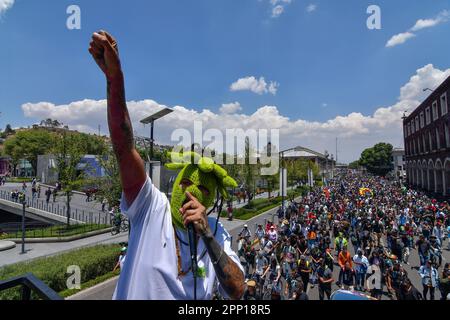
pixel 202 172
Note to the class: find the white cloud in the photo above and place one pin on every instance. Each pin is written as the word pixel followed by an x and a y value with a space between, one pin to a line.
pixel 399 39
pixel 311 8
pixel 356 131
pixel 5 5
pixel 259 86
pixel 428 23
pixel 278 7
pixel 230 108
pixel 277 11
pixel 421 24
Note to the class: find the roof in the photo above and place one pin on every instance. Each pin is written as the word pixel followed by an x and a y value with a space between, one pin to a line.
pixel 302 152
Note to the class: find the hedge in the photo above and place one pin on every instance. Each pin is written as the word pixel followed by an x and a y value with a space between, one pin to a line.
pixel 57 231
pixel 93 262
pixel 259 206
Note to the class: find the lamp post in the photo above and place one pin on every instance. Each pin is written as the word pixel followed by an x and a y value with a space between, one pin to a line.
pixel 151 120
pixel 23 223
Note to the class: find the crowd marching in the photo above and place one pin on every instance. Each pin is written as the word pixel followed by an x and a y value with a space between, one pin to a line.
pixel 364 227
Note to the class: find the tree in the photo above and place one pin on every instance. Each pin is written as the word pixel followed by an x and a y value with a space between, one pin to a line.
pixel 377 160
pixel 28 145
pixel 354 165
pixel 109 186
pixel 69 149
pixel 249 168
pixel 8 131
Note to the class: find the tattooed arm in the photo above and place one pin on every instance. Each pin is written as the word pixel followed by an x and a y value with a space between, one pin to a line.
pixel 231 278
pixel 104 50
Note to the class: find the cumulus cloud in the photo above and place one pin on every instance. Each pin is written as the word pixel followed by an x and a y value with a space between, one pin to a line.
pixel 278 7
pixel 5 5
pixel 420 24
pixel 230 108
pixel 258 86
pixel 356 131
pixel 399 39
pixel 428 23
pixel 311 8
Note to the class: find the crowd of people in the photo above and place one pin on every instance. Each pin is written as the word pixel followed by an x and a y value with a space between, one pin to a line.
pixel 365 228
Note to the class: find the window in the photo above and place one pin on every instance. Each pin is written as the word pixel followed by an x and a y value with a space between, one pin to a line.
pixel 409 129
pixel 417 123
pixel 424 144
pixel 444 106
pixel 427 116
pixel 422 120
pixel 438 140
pixel 435 111
pixel 447 136
pixel 430 141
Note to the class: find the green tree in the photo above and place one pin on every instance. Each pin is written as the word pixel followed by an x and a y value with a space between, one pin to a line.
pixel 377 160
pixel 109 186
pixel 354 165
pixel 249 169
pixel 69 149
pixel 29 144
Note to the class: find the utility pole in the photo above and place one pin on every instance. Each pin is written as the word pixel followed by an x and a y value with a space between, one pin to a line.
pixel 337 150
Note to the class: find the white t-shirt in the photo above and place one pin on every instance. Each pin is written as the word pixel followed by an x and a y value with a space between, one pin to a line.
pixel 150 270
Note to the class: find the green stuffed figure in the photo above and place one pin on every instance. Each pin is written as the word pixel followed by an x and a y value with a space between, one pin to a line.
pixel 203 173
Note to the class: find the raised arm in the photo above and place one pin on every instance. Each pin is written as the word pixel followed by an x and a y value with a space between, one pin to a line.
pixel 104 50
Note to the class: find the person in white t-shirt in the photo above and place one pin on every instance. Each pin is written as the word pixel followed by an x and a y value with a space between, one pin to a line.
pixel 158 264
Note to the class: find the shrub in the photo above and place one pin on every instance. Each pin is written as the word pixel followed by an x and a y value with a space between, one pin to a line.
pixel 93 262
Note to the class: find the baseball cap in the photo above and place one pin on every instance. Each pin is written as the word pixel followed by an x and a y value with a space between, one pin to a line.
pixel 251 283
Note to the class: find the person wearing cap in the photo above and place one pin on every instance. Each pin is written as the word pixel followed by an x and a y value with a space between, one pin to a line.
pixel 259 233
pixel 121 260
pixel 304 270
pixel 245 233
pixel 361 266
pixel 251 292
pixel 325 276
pixel 343 259
pixel 423 248
pixel 273 234
pixel 430 279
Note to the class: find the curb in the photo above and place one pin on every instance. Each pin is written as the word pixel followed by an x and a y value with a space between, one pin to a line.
pixel 62 239
pixel 86 291
pixel 7 245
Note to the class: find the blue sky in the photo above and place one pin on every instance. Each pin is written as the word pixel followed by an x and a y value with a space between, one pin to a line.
pixel 326 63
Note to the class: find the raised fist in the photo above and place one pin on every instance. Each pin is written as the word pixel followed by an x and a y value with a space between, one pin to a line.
pixel 105 52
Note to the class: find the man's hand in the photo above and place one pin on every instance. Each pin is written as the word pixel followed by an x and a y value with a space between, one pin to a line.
pixel 194 212
pixel 105 52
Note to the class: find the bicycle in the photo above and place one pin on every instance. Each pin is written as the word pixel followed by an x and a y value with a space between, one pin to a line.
pixel 117 228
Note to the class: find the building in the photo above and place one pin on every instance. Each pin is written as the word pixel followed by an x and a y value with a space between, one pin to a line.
pixel 47 168
pixel 5 166
pixel 427 143
pixel 398 162
pixel 325 163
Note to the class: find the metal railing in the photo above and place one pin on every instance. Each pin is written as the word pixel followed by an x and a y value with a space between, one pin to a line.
pixel 30 284
pixel 39 230
pixel 80 215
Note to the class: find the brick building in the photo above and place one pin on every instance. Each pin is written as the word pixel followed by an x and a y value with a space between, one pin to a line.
pixel 427 143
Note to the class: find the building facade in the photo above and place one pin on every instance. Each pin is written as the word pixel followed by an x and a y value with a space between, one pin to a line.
pixel 427 143
pixel 398 162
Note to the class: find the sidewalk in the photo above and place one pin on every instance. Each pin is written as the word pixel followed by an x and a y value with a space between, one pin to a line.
pixel 39 250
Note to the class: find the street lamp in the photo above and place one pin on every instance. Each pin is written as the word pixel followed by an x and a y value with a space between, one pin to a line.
pixel 281 154
pixel 151 120
pixel 22 197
